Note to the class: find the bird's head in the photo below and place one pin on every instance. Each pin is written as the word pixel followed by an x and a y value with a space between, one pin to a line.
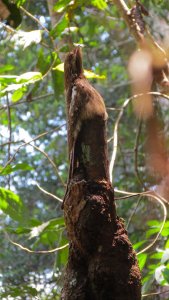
pixel 73 67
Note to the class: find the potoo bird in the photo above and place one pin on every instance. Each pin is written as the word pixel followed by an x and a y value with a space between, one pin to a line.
pixel 83 103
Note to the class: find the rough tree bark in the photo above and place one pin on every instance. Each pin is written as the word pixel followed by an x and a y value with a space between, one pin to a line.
pixel 102 263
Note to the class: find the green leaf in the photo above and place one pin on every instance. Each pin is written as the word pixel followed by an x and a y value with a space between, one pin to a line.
pixel 165 256
pixel 60 26
pixel 167 244
pixel 157 255
pixel 166 274
pixel 88 74
pixel 30 77
pixel 11 87
pixel 36 231
pixel 100 4
pixel 20 81
pixel 58 80
pixel 61 5
pixel 62 256
pixel 5 79
pixel 51 225
pixel 10 169
pixel 165 232
pixel 151 232
pixel 11 204
pixel 142 260
pixel 138 245
pixel 6 68
pixel 59 67
pixel 20 2
pixel 153 267
pixel 18 230
pixel 153 223
pixel 17 95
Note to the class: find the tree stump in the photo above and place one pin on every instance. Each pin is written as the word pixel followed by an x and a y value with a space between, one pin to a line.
pixel 102 264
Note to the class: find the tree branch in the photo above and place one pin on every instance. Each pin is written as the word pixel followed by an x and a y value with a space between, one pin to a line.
pixel 136 24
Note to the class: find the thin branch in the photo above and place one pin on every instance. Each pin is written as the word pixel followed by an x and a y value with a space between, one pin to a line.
pixel 115 133
pixel 136 154
pixel 135 28
pixel 26 101
pixel 133 212
pixel 151 194
pixel 156 293
pixel 26 143
pixel 3 107
pixel 32 251
pixel 49 194
pixel 131 194
pixel 51 161
pixel 8 28
pixel 10 135
pixel 125 197
pixel 136 24
pixel 115 139
pixel 40 24
pixel 9 127
pixel 122 7
pixel 12 142
pixel 43 152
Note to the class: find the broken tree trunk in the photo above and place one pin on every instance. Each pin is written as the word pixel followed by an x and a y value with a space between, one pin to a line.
pixel 102 263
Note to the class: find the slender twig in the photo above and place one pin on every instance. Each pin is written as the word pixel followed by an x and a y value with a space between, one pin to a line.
pixel 155 293
pixel 163 222
pixel 133 212
pixel 26 101
pixel 136 154
pixel 115 133
pixel 10 135
pixel 9 127
pixel 126 197
pixel 160 200
pixel 51 161
pixel 11 142
pixel 26 143
pixel 108 108
pixel 36 251
pixel 49 194
pixel 40 24
pixel 113 108
pixel 131 194
pixel 8 28
pixel 115 138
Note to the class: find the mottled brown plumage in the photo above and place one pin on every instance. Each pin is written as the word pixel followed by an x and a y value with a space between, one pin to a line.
pixel 82 100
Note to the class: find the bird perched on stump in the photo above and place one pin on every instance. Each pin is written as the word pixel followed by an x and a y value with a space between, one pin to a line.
pixel 83 103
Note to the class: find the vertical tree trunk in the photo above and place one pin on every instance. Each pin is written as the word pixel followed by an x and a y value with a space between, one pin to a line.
pixel 102 264
pixel 54 16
